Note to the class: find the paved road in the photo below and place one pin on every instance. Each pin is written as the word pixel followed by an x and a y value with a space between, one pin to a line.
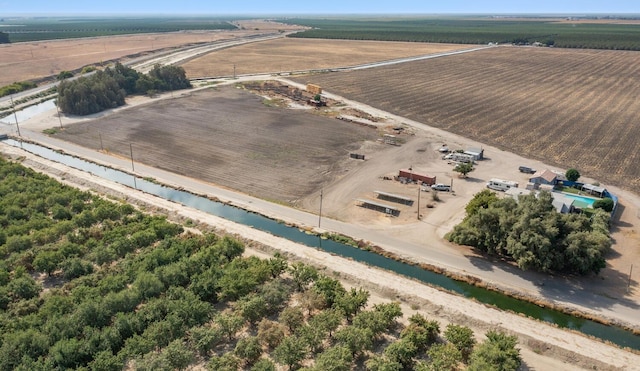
pixel 553 289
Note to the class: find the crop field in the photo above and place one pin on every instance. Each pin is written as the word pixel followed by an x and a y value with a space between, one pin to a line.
pixel 49 28
pixel 569 108
pixel 230 137
pixel 620 34
pixel 275 56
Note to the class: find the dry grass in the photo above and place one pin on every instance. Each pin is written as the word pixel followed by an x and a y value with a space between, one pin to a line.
pixel 290 54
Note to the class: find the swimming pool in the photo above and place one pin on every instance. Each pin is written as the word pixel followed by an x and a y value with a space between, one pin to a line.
pixel 580 201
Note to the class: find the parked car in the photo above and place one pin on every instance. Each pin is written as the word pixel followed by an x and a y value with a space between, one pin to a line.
pixel 441 187
pixel 526 169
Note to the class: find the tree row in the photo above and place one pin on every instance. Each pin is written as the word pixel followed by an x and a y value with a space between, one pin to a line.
pixel 109 88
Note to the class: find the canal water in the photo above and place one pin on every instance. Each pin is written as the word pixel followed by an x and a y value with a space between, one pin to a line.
pixel 613 334
pixel 28 112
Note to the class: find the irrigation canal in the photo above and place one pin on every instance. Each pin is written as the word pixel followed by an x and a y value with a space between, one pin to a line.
pixel 613 334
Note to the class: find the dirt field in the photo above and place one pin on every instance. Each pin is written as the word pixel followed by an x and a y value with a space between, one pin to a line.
pixel 228 136
pixel 36 60
pixel 285 55
pixel 568 108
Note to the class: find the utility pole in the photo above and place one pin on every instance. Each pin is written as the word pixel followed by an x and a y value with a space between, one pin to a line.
pixel 131 152
pixel 320 213
pixel 15 115
pixel 419 190
pixel 101 147
pixel 629 282
pixel 234 71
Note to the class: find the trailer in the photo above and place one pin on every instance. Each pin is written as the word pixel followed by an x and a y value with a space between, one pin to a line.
pixel 501 185
pixel 459 157
pixel 413 176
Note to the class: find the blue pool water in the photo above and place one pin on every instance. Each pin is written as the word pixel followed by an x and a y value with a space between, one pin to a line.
pixel 582 201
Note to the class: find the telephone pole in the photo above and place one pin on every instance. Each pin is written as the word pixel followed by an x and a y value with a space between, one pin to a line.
pixel 15 115
pixel 320 213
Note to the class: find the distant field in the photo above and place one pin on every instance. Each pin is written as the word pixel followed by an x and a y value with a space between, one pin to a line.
pixel 571 108
pixel 587 33
pixel 288 54
pixel 46 28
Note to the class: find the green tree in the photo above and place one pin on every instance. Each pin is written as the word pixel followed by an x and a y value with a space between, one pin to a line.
pixel 402 351
pixel 290 352
pixel 337 358
pixel 330 289
pixel 356 339
pixel 226 362
pixel 442 357
pixel 303 275
pixel 64 75
pixel 572 175
pixel 462 338
pixel 605 204
pixel 264 364
pixel 480 200
pixel 382 363
pixel 148 285
pixel 498 352
pixel 277 265
pixel 47 261
pixel 106 361
pixel 204 338
pixel 352 302
pixel 24 287
pixel 292 317
pixel 249 349
pixel 229 324
pixel 177 355
pixel 252 308
pixel 464 169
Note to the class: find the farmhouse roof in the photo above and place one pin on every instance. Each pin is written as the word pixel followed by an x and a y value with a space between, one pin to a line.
pixel 593 188
pixel 545 174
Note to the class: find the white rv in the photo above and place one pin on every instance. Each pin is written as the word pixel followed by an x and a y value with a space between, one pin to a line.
pixel 501 185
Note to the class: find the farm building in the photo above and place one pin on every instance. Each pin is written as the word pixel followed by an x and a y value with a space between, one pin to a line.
pixel 561 203
pixel 544 177
pixel 476 153
pixel 413 176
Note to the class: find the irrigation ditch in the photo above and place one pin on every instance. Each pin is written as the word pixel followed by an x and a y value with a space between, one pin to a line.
pixel 466 285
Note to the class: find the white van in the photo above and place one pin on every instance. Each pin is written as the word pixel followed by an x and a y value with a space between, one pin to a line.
pixel 501 185
pixel 441 187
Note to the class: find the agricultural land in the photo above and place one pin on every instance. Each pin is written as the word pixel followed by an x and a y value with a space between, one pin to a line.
pixel 539 107
pixel 571 108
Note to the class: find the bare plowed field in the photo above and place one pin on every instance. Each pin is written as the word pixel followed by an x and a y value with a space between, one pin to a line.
pixel 229 137
pixel 570 108
pixel 289 54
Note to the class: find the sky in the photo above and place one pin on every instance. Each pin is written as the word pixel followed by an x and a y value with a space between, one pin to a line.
pixel 277 7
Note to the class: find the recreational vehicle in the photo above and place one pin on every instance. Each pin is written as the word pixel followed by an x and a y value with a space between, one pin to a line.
pixel 501 185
